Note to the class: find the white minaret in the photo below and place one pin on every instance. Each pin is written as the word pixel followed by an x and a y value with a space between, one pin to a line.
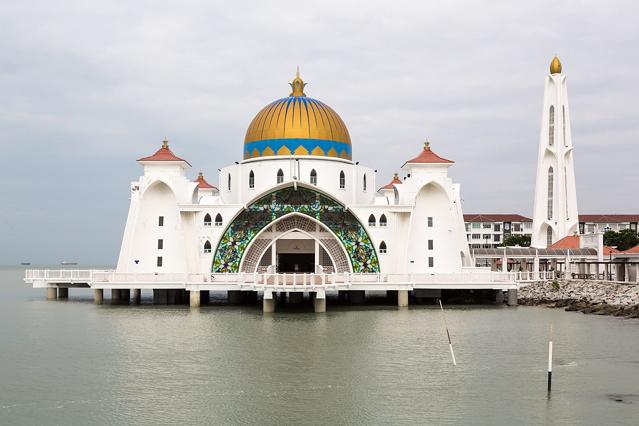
pixel 555 212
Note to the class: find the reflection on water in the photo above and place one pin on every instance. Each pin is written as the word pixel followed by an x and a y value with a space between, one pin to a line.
pixel 77 363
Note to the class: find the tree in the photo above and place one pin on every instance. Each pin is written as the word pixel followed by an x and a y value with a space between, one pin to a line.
pixel 622 240
pixel 517 240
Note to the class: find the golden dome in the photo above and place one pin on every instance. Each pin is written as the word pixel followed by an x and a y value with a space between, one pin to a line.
pixel 297 125
pixel 555 66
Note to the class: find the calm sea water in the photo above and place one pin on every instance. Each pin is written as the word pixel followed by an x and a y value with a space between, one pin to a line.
pixel 74 363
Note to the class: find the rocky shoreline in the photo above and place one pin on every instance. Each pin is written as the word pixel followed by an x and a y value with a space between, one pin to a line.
pixel 589 297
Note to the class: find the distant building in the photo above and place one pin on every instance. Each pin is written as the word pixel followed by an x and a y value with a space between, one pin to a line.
pixel 591 223
pixel 489 230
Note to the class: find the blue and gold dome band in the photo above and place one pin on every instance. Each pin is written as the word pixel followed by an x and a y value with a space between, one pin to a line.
pixel 298 146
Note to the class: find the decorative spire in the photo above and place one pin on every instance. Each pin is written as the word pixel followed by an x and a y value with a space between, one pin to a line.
pixel 555 65
pixel 200 175
pixel 297 85
pixel 427 145
pixel 165 143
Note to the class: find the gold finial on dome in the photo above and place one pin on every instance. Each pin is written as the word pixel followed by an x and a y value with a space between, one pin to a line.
pixel 297 85
pixel 165 143
pixel 555 65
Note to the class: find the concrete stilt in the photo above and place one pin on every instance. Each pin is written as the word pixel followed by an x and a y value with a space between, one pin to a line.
pixel 319 305
pixel 63 293
pixel 98 296
pixel 357 297
pixel 205 297
pixel 512 297
pixel 499 297
pixel 160 297
pixel 194 297
pixel 268 303
pixel 52 293
pixel 295 297
pixel 116 295
pixel 136 297
pixel 402 298
pixel 234 297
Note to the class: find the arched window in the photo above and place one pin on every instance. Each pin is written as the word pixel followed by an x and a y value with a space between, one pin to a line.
pixel 549 236
pixel 229 182
pixel 207 247
pixel 371 220
pixel 550 191
pixel 251 179
pixel 382 247
pixel 280 176
pixel 218 220
pixel 313 177
pixel 551 126
pixel 364 183
pixel 382 220
pixel 342 180
pixel 207 220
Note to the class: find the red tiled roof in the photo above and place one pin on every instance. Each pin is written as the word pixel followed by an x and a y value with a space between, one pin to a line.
pixel 495 218
pixel 428 157
pixel 608 218
pixel 569 242
pixel 202 183
pixel 634 249
pixel 608 250
pixel 396 181
pixel 164 154
pixel 572 242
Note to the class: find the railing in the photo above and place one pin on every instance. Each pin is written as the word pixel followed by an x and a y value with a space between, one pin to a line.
pixel 286 279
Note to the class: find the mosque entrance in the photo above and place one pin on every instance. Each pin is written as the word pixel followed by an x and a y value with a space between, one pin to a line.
pixel 296 262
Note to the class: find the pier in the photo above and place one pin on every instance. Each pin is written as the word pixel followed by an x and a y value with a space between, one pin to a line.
pixel 194 289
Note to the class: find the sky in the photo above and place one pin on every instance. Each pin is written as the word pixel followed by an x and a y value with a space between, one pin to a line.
pixel 86 88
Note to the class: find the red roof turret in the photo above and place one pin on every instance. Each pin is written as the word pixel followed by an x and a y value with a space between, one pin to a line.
pixel 396 181
pixel 202 183
pixel 164 154
pixel 428 157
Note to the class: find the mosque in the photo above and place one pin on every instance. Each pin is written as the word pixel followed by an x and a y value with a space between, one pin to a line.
pixel 296 203
pixel 298 216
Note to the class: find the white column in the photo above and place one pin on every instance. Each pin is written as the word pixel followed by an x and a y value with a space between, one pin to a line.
pixel 317 249
pixel 536 267
pixel 274 255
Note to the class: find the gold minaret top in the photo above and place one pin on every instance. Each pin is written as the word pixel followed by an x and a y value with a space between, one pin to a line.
pixel 297 85
pixel 555 66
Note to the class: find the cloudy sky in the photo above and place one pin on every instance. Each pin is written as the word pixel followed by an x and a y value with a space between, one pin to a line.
pixel 86 88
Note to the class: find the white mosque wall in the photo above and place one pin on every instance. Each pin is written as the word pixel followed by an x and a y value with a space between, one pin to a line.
pixel 165 191
pixel 299 169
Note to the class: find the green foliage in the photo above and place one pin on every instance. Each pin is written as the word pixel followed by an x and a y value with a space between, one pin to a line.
pixel 623 240
pixel 517 240
pixel 555 285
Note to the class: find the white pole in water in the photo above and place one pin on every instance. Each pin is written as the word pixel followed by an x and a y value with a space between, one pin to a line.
pixel 550 361
pixel 450 344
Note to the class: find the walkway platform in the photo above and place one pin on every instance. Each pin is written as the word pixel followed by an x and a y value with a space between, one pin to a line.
pixel 107 279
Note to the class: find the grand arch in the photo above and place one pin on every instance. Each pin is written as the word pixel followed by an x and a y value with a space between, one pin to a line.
pixel 303 223
pixel 304 201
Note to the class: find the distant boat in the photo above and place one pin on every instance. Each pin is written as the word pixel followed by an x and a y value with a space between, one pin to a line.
pixel 25 263
pixel 67 263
